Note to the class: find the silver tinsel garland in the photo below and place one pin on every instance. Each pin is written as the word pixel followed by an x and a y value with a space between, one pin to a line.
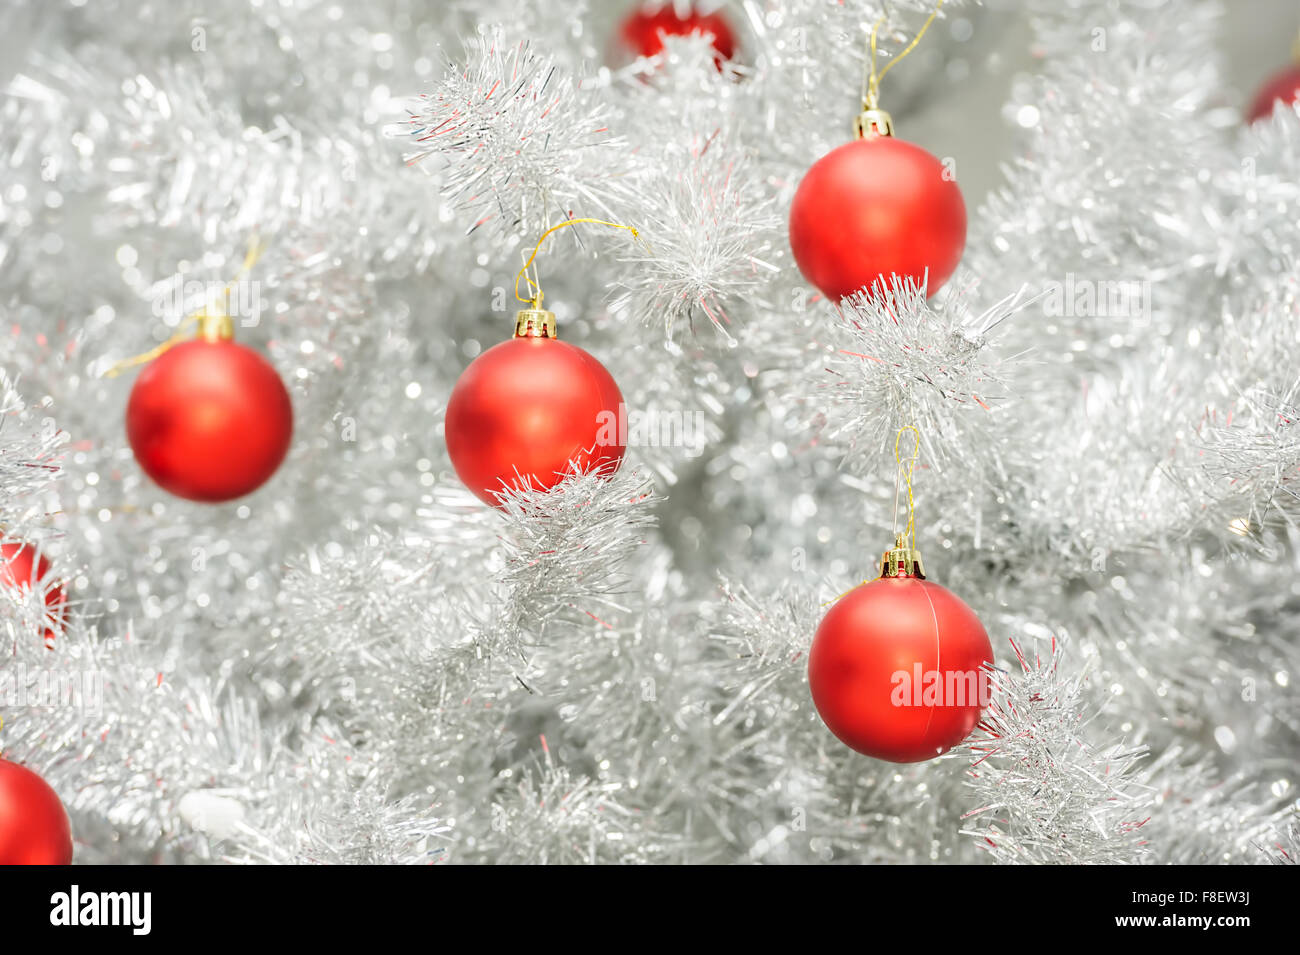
pixel 360 663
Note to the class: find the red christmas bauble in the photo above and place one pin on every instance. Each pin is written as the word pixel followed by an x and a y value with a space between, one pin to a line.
pixel 874 208
pixel 34 827
pixel 526 411
pixel 209 420
pixel 896 669
pixel 642 31
pixel 22 567
pixel 1281 87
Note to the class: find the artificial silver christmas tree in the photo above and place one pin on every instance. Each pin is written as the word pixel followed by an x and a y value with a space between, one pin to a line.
pixel 360 662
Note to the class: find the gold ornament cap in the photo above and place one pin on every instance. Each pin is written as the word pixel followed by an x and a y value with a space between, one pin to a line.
pixel 902 560
pixel 873 121
pixel 535 323
pixel 216 327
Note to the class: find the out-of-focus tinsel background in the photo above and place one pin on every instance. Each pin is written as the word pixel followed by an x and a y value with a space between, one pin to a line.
pixel 362 663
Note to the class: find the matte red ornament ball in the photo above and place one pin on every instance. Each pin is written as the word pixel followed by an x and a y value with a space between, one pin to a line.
pixel 873 208
pixel 875 653
pixel 642 31
pixel 34 827
pixel 23 567
pixel 1282 87
pixel 209 420
pixel 528 409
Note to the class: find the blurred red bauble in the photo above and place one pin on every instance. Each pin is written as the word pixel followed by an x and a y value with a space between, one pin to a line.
pixel 896 669
pixel 527 411
pixel 23 567
pixel 874 208
pixel 209 420
pixel 642 31
pixel 34 827
pixel 1281 87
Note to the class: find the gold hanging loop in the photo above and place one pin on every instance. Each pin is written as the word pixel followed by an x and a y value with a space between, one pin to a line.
pixel 903 559
pixel 534 321
pixel 214 324
pixel 873 119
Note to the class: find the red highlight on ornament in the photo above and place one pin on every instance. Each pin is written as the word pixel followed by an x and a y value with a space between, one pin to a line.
pixel 209 420
pixel 24 568
pixel 34 826
pixel 1281 89
pixel 900 625
pixel 876 208
pixel 643 30
pixel 529 412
